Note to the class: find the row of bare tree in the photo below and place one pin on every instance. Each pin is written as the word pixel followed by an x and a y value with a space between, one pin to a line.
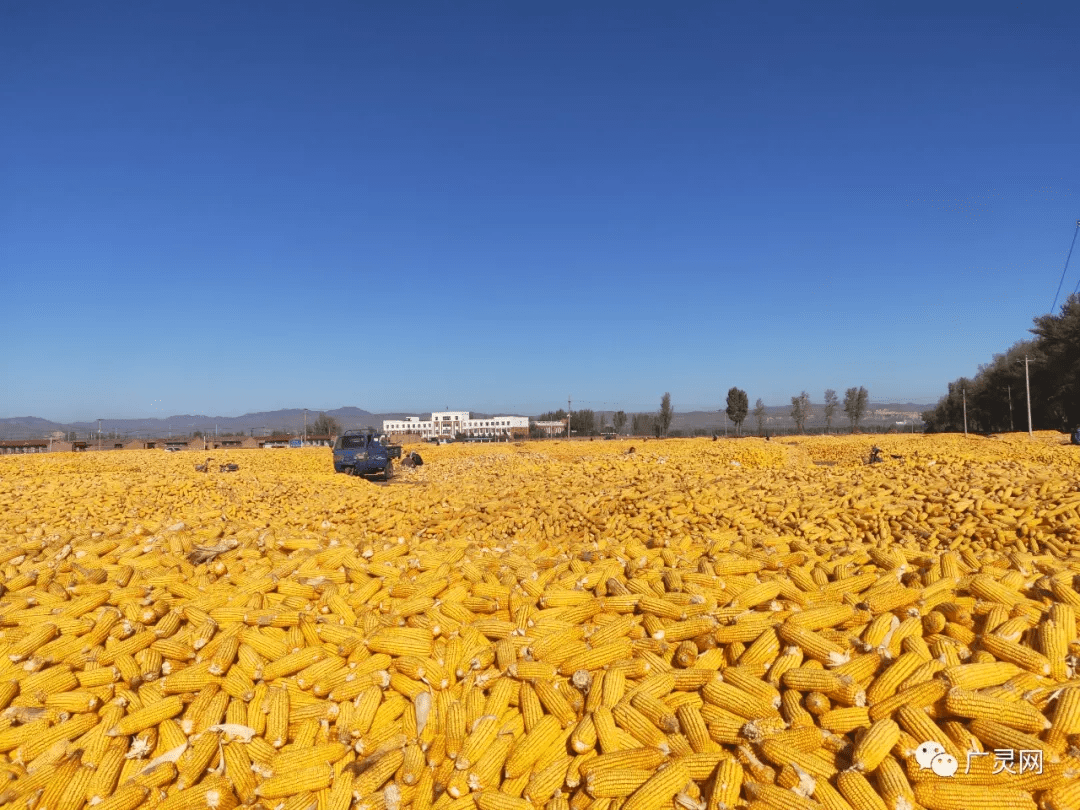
pixel 855 403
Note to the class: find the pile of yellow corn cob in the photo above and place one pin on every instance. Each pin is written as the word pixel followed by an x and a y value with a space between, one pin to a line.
pixel 693 625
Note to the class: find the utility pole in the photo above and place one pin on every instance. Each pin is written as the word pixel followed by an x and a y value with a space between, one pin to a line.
pixel 98 434
pixel 964 390
pixel 568 417
pixel 305 428
pixel 1027 382
pixel 1011 428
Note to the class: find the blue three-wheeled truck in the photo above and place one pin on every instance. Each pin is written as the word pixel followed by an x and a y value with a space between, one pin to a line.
pixel 363 452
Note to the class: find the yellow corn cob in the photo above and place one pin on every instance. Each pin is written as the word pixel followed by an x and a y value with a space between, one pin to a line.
pixel 858 792
pixel 41 741
pixel 781 753
pixel 210 713
pixel 919 696
pixel 813 680
pixel 341 793
pixel 637 758
pixel 485 772
pixel 844 720
pixel 813 644
pixel 875 744
pixel 307 757
pixel 297 781
pixel 773 796
pixel 194 762
pixel 532 746
pixel 612 784
pixel 584 736
pixel 1053 641
pixel 129 797
pixel 479 738
pixel 1062 797
pixel 545 783
pixel 1015 715
pixel 597 657
pixel 658 712
pixel 36 638
pixel 213 793
pixel 402 641
pixel 736 700
pixel 188 679
pixel 726 786
pixel 1015 653
pixel 637 725
pixel 554 702
pixel 375 776
pixel 48 681
pixel 998 736
pixel 293 663
pixel 979 676
pixel 531 670
pixel 1066 719
pixel 495 800
pixel 613 687
pixel 886 684
pixel 238 770
pixel 893 785
pixel 277 716
pixel 917 723
pixel 941 795
pixel 659 790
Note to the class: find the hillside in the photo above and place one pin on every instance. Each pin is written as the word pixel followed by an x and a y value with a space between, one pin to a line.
pixel 292 419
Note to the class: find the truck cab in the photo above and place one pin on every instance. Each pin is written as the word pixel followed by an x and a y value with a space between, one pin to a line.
pixel 359 452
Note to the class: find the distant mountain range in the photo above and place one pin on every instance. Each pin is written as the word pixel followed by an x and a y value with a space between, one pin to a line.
pixel 292 420
pixel 258 423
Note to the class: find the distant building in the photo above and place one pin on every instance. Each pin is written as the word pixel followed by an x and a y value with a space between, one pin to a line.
pixel 19 446
pixel 448 424
pixel 552 429
pixel 224 442
pixel 106 443
pixel 271 442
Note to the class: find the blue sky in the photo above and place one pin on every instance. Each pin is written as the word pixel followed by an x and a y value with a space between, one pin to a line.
pixel 221 208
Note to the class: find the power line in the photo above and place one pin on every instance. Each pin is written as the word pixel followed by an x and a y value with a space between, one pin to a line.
pixel 1075 231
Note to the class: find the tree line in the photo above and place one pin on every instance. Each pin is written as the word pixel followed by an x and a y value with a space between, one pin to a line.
pixel 586 422
pixel 996 396
pixel 855 404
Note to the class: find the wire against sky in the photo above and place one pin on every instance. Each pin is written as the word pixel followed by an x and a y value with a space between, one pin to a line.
pixel 1076 230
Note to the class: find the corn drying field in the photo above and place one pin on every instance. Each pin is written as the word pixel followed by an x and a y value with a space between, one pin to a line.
pixel 660 625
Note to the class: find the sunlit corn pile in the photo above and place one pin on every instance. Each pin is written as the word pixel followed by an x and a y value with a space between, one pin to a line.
pixel 691 625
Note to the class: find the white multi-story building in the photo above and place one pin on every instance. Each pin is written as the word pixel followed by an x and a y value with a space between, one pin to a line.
pixel 448 424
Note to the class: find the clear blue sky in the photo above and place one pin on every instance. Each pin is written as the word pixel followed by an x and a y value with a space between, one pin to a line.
pixel 218 208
